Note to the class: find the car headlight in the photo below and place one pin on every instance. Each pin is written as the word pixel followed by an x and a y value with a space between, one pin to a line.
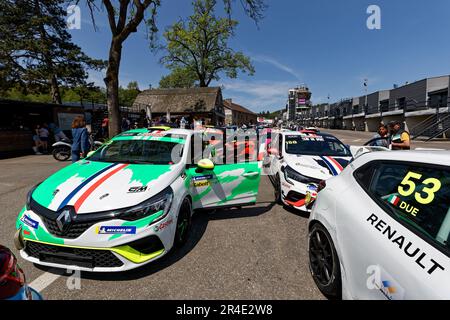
pixel 161 201
pixel 29 194
pixel 291 174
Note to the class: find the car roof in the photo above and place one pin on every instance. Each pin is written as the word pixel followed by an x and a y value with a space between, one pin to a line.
pixel 441 157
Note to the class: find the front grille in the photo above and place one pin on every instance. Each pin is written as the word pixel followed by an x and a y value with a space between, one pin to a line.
pixel 72 256
pixel 78 226
pixel 74 230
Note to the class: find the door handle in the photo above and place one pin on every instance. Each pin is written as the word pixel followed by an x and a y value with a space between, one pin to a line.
pixel 250 174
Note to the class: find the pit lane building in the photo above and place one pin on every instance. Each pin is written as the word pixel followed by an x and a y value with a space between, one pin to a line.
pixel 423 106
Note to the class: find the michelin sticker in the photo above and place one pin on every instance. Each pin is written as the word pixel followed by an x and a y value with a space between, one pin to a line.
pixel 116 230
pixel 30 222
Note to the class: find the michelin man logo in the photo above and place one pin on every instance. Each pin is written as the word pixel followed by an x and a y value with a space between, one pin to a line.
pixel 374 20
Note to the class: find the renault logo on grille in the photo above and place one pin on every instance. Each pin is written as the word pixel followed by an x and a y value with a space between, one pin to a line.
pixel 64 220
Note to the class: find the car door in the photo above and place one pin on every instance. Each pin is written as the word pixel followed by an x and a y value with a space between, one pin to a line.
pixel 394 235
pixel 233 181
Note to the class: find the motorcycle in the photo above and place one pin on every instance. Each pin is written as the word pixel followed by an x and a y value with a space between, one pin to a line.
pixel 62 150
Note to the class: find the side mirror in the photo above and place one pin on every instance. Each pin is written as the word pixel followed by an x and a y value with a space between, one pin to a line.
pixel 206 164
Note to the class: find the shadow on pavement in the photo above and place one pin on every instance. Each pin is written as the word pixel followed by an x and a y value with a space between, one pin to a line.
pixel 200 222
pixel 299 213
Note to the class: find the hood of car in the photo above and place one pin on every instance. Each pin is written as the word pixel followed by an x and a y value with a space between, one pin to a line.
pixel 319 167
pixel 91 186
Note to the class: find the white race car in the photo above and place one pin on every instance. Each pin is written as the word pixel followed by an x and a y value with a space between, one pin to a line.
pixel 297 162
pixel 381 229
pixel 129 202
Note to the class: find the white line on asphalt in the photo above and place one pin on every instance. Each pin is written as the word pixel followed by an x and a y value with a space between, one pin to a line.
pixel 46 279
pixel 357 140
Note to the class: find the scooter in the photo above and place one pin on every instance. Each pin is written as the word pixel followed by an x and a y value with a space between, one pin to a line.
pixel 62 150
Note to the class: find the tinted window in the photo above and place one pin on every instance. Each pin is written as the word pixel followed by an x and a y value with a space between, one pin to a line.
pixel 140 151
pixel 416 195
pixel 315 145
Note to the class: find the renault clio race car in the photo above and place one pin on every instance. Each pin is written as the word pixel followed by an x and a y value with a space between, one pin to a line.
pixel 297 162
pixel 129 202
pixel 381 229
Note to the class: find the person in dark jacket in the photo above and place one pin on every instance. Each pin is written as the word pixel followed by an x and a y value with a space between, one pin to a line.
pixel 80 137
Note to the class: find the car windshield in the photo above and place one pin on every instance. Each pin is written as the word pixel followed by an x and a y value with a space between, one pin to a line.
pixel 315 145
pixel 162 151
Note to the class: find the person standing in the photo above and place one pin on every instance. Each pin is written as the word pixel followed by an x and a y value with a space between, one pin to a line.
pixel 36 140
pixel 125 125
pixel 80 137
pixel 43 136
pixel 400 138
pixel 105 124
pixel 381 138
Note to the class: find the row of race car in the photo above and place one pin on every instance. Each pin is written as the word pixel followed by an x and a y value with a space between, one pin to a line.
pixel 379 222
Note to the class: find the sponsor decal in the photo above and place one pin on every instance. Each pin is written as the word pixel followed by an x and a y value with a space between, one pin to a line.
pixel 163 225
pixel 26 232
pixel 104 196
pixel 55 192
pixel 408 208
pixel 29 222
pixel 286 185
pixel 202 183
pixel 419 256
pixel 205 177
pixel 137 189
pixel 116 230
pixel 381 280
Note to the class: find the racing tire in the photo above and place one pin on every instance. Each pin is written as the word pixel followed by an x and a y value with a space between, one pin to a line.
pixel 277 190
pixel 183 226
pixel 61 153
pixel 324 262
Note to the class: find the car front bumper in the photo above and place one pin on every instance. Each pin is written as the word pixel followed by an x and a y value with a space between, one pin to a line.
pixel 94 251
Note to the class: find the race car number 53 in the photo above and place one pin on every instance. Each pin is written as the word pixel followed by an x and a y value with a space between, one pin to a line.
pixel 408 186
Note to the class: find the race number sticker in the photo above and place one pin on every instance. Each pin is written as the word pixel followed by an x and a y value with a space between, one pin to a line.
pixel 423 190
pixel 428 187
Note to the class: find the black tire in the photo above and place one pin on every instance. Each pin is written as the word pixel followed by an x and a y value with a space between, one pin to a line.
pixel 324 262
pixel 61 153
pixel 277 189
pixel 183 226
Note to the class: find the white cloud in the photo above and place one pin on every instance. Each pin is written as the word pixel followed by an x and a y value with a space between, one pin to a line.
pixel 276 64
pixel 258 95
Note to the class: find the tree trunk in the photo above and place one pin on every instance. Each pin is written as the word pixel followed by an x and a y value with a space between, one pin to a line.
pixel 56 95
pixel 112 87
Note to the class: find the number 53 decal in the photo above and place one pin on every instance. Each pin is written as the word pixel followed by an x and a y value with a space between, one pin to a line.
pixel 432 185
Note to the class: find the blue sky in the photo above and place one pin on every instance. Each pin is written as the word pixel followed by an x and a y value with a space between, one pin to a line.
pixel 322 43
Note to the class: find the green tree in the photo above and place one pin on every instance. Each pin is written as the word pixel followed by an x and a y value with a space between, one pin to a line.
pixel 128 95
pixel 124 18
pixel 201 44
pixel 36 50
pixel 179 78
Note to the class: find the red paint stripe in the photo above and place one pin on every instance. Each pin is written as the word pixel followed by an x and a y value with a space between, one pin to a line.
pixel 299 203
pixel 336 163
pixel 91 189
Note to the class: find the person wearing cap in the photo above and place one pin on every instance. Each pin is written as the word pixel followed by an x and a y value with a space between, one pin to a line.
pixel 400 138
